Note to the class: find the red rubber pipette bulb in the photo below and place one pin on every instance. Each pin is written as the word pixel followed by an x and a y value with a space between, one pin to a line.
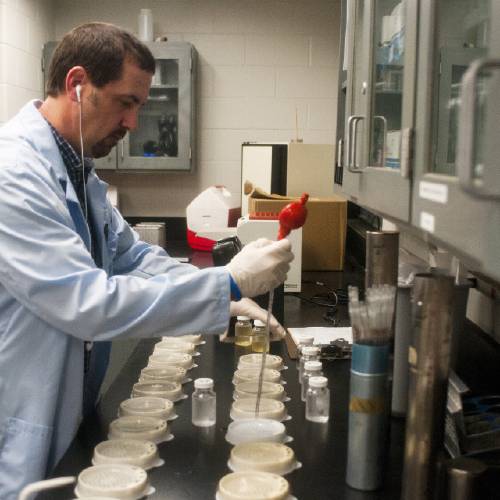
pixel 292 216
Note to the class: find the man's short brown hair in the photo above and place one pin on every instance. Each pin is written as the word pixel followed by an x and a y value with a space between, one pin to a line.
pixel 101 49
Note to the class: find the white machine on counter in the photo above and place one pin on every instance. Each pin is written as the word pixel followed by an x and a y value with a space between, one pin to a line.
pixel 249 230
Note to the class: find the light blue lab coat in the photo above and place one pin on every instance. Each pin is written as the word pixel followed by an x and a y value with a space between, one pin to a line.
pixel 53 297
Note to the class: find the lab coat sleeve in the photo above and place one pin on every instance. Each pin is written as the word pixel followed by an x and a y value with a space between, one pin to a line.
pixel 45 265
pixel 139 258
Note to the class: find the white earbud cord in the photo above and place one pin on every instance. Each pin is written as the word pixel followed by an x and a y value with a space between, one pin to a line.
pixel 83 165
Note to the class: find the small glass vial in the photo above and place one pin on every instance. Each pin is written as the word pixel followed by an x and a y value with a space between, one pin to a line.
pixel 260 341
pixel 311 369
pixel 309 353
pixel 203 403
pixel 243 335
pixel 318 400
pixel 303 342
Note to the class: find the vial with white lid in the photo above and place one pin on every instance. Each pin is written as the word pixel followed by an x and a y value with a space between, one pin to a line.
pixel 243 335
pixel 303 342
pixel 309 353
pixel 203 403
pixel 311 369
pixel 318 400
pixel 259 338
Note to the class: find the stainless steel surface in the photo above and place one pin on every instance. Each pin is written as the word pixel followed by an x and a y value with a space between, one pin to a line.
pixel 382 249
pixel 429 356
pixel 402 333
pixel 351 142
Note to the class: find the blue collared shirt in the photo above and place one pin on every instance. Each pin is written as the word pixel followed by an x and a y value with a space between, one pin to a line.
pixel 73 163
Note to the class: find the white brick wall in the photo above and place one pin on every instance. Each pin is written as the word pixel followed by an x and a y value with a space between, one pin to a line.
pixel 25 25
pixel 260 63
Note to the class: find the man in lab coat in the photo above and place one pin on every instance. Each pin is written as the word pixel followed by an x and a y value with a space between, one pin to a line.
pixel 72 272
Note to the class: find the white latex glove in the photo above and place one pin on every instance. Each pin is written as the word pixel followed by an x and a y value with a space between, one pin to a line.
pixel 261 266
pixel 247 307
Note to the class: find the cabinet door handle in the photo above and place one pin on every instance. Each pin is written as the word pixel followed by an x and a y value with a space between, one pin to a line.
pixel 466 129
pixel 352 127
pixel 122 150
pixel 340 153
pixel 383 119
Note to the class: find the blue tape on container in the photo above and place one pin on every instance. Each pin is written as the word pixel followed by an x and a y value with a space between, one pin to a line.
pixel 370 358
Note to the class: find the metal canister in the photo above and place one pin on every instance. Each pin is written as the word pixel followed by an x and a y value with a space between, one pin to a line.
pixel 368 417
pixel 463 478
pixel 402 333
pixel 429 356
pixel 382 251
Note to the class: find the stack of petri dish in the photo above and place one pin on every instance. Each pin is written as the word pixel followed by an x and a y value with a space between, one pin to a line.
pixel 147 406
pixel 270 390
pixel 167 390
pixel 142 454
pixel 252 374
pixel 253 485
pixel 126 482
pixel 140 428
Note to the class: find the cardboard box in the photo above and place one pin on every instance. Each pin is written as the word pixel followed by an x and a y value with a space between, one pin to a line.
pixel 324 233
pixel 310 169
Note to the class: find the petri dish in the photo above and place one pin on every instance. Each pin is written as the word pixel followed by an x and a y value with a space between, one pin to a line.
pixel 126 482
pixel 244 408
pixel 181 359
pixel 269 390
pixel 143 454
pixel 174 373
pixel 167 390
pixel 249 374
pixel 143 428
pixel 262 456
pixel 252 485
pixel 147 406
pixel 177 346
pixel 255 360
pixel 256 429
pixel 193 338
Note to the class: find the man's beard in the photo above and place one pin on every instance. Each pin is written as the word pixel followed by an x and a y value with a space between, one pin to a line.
pixel 104 146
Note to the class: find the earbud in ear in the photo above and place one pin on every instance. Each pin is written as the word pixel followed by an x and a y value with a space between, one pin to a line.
pixel 78 89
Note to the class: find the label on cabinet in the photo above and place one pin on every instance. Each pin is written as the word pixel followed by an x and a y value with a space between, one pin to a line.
pixel 427 221
pixel 433 191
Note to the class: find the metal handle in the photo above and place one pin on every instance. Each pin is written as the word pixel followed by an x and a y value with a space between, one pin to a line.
pixel 352 126
pixel 467 117
pixel 122 150
pixel 340 152
pixel 384 128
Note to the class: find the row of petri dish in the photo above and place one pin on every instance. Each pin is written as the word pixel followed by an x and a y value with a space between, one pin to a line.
pixel 259 458
pixel 120 464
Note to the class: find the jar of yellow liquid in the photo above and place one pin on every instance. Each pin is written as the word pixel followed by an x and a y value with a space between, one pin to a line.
pixel 243 335
pixel 260 342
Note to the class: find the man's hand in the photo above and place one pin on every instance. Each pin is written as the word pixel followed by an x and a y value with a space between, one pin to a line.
pixel 247 307
pixel 261 266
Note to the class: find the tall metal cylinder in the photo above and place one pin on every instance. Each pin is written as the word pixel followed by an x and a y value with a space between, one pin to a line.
pixel 402 333
pixel 382 250
pixel 464 475
pixel 429 356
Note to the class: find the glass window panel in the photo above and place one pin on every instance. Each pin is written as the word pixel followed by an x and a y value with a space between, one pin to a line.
pixel 463 34
pixel 388 73
pixel 157 131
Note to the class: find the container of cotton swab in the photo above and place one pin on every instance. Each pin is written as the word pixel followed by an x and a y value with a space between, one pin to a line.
pixel 371 322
